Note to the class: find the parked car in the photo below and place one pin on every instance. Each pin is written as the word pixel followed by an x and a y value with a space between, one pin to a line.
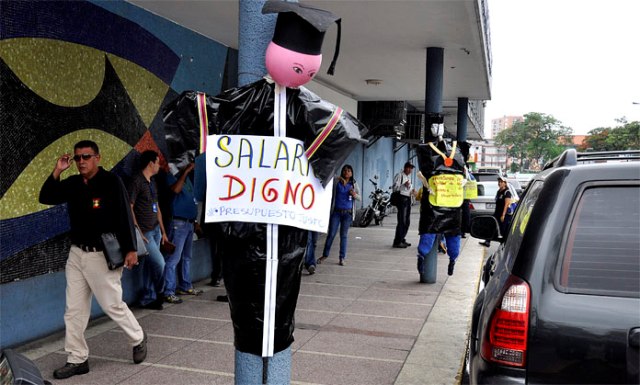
pixel 516 185
pixel 490 170
pixel 561 295
pixel 486 176
pixel 485 203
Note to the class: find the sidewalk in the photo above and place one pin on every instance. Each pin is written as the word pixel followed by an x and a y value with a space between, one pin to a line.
pixel 369 322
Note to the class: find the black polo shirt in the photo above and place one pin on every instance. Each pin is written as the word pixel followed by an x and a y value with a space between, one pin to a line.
pixel 144 195
pixel 99 206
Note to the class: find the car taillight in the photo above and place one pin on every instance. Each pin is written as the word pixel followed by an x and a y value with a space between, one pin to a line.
pixel 471 206
pixel 505 341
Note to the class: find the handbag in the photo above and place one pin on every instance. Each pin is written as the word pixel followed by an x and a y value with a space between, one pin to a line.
pixel 113 253
pixel 395 198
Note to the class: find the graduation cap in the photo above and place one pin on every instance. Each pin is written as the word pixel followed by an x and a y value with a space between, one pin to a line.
pixel 301 28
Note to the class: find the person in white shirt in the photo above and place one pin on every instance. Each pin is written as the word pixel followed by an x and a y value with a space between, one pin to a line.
pixel 402 183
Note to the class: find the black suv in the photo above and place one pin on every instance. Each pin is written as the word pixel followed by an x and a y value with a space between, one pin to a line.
pixel 561 295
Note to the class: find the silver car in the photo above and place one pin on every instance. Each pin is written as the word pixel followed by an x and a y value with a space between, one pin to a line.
pixel 485 203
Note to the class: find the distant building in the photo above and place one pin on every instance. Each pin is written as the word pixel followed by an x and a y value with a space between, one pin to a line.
pixel 503 123
pixel 488 154
pixel 573 141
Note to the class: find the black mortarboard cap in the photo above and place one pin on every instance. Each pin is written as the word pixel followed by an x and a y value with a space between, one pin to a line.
pixel 301 28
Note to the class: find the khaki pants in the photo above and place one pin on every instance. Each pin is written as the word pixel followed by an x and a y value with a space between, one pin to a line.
pixel 87 272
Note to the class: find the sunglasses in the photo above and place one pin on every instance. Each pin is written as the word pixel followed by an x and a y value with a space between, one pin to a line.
pixel 83 157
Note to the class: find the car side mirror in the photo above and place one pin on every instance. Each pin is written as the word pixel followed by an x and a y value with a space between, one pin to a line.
pixel 486 227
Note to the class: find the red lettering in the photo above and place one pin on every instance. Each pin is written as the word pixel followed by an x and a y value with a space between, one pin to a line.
pixel 269 194
pixel 253 189
pixel 231 180
pixel 290 192
pixel 303 195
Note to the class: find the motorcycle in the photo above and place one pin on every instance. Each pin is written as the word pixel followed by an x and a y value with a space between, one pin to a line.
pixel 377 210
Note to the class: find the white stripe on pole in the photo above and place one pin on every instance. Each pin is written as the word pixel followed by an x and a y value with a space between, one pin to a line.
pixel 271 274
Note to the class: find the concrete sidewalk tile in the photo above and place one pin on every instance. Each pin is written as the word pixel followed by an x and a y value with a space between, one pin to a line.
pixel 203 356
pixel 221 334
pixel 339 370
pixel 389 309
pixel 313 319
pixel 311 302
pixel 418 298
pixel 365 324
pixel 301 336
pixel 172 376
pixel 200 308
pixel 421 374
pixel 344 292
pixel 179 326
pixel 350 344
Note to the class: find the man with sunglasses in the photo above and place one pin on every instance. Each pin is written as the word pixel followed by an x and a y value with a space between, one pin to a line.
pixel 97 203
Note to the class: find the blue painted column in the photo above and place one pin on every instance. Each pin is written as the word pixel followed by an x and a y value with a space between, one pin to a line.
pixel 433 113
pixel 463 106
pixel 255 31
pixel 254 35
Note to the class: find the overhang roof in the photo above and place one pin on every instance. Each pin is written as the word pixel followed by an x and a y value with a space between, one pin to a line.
pixel 384 40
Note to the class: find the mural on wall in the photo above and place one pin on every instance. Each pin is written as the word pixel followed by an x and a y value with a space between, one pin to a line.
pixel 69 71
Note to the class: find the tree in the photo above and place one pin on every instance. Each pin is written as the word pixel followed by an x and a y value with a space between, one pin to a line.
pixel 538 138
pixel 596 140
pixel 626 136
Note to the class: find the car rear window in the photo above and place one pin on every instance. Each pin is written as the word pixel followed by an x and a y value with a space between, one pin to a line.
pixel 485 177
pixel 602 251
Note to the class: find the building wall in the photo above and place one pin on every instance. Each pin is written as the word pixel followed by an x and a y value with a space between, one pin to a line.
pixel 503 123
pixel 76 70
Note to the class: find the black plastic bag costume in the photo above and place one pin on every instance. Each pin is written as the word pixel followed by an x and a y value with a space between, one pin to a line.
pixel 436 219
pixel 248 110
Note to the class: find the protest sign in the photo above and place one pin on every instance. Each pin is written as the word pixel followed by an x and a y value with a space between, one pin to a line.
pixel 447 190
pixel 264 179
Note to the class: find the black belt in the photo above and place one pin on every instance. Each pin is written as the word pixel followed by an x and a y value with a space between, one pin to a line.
pixel 89 249
pixel 185 219
pixel 344 211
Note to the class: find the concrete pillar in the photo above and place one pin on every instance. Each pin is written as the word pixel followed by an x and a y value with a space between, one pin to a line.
pixel 435 75
pixel 254 34
pixel 433 112
pixel 463 106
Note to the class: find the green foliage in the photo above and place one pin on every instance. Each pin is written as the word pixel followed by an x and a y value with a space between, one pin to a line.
pixel 626 136
pixel 538 137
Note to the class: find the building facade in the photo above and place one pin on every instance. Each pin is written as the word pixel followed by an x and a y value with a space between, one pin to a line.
pixel 503 123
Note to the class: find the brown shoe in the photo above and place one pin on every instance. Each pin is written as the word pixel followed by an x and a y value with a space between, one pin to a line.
pixel 319 261
pixel 70 370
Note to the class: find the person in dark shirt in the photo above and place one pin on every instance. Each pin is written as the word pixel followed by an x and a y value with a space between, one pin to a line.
pixel 147 216
pixel 503 201
pixel 185 213
pixel 97 203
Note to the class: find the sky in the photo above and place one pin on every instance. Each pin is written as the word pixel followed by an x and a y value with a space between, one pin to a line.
pixel 577 60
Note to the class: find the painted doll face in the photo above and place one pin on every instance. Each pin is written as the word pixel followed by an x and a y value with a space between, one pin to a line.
pixel 289 68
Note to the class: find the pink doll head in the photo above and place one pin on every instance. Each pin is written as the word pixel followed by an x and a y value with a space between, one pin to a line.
pixel 295 53
pixel 290 68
